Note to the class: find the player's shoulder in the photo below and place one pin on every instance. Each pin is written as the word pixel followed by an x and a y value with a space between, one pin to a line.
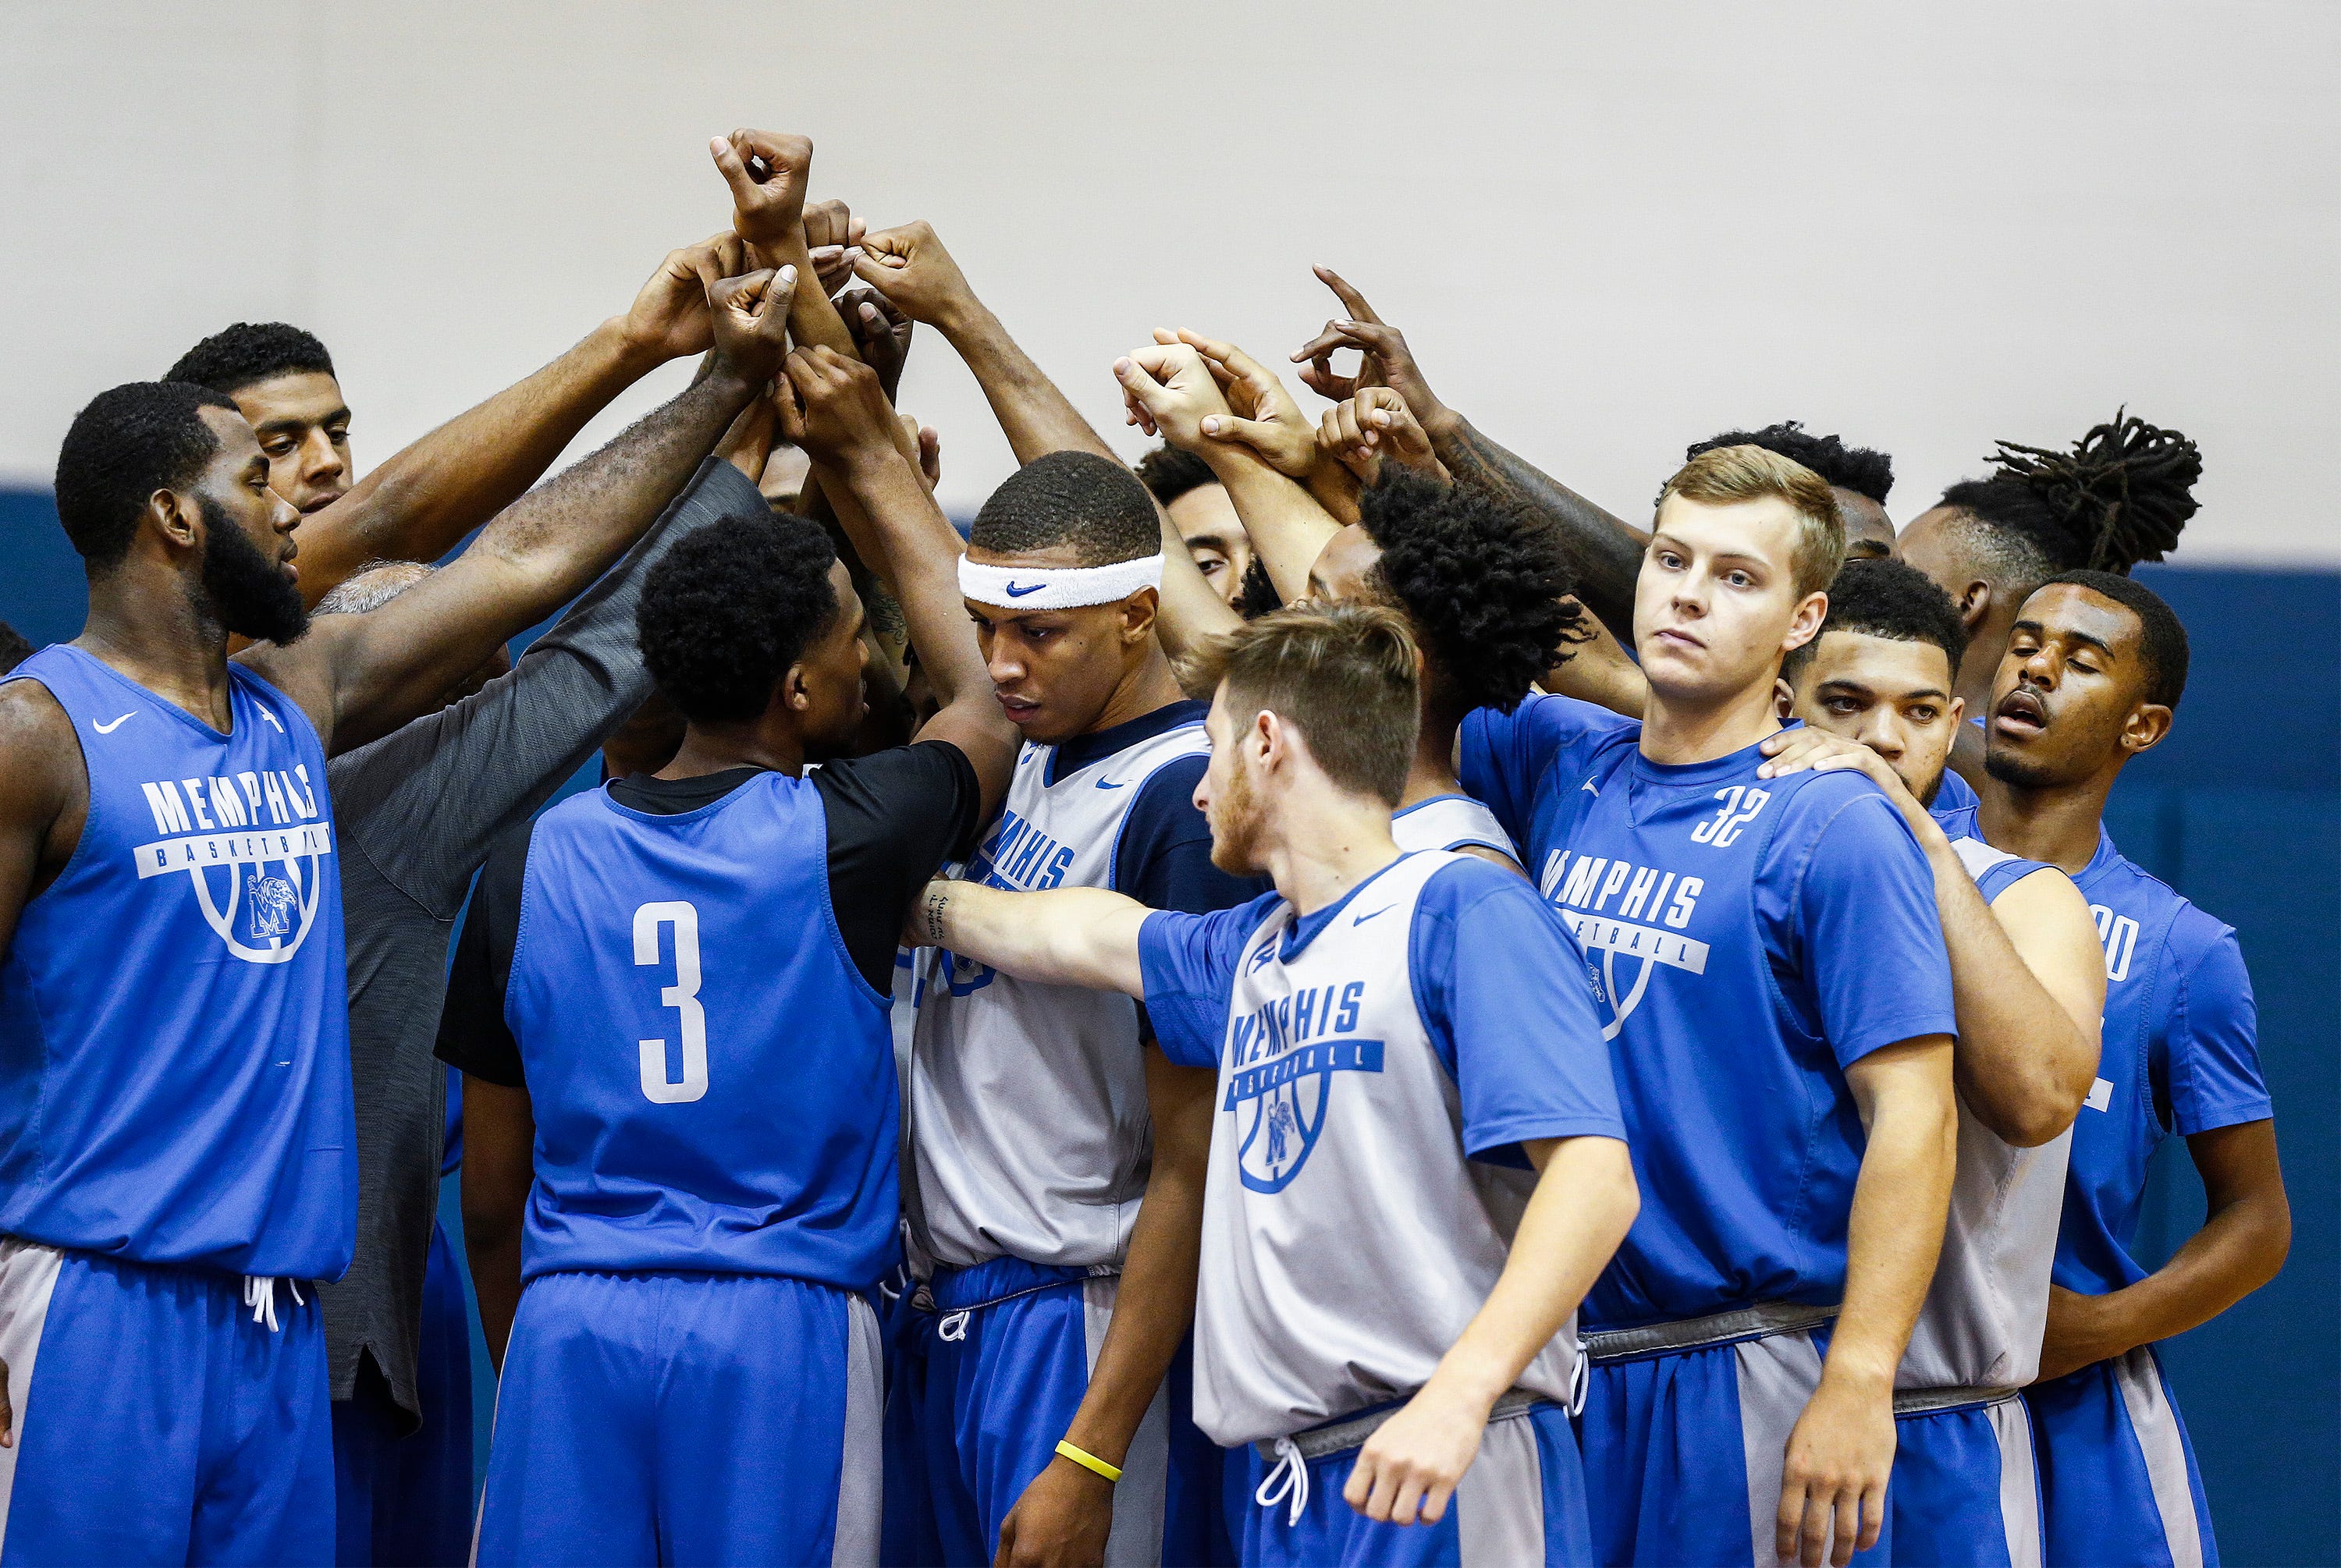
pixel 1467 882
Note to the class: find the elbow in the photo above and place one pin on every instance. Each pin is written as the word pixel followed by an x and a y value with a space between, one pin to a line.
pixel 1621 1195
pixel 2030 1120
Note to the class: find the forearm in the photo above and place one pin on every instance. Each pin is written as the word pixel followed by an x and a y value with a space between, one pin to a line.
pixel 812 318
pixel 915 548
pixel 2021 1062
pixel 1894 1233
pixel 1598 671
pixel 420 503
pixel 1067 937
pixel 1036 417
pixel 1605 552
pixel 1287 526
pixel 1584 1202
pixel 2238 1250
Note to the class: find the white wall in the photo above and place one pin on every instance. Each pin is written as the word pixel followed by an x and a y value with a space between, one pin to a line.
pixel 1609 229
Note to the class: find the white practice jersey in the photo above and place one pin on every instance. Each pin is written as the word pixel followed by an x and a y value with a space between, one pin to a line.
pixel 1450 822
pixel 1347 1239
pixel 1984 1317
pixel 1030 1136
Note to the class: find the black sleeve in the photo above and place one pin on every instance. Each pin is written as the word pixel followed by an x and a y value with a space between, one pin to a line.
pixel 894 818
pixel 1164 857
pixel 472 1034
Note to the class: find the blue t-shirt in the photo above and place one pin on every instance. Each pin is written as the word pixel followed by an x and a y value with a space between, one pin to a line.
pixel 2181 1055
pixel 1495 979
pixel 1953 794
pixel 1749 939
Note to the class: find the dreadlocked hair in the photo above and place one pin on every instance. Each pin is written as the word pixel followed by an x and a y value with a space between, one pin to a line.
pixel 1483 588
pixel 2121 495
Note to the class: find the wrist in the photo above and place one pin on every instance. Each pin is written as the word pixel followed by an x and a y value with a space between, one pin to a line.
pixel 628 356
pixel 964 321
pixel 1467 1382
pixel 1440 422
pixel 1854 1374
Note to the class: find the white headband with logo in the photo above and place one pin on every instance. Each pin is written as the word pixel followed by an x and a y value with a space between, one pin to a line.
pixel 1057 587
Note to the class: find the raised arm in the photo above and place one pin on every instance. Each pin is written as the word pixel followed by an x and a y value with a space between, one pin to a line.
pixel 838 412
pixel 1605 550
pixel 1842 1447
pixel 361 676
pixel 910 268
pixel 1068 937
pixel 418 505
pixel 1172 387
pixel 768 172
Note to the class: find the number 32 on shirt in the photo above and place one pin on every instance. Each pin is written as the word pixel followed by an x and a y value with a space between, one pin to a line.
pixel 682 996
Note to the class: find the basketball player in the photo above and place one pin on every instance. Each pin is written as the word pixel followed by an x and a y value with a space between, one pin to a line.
pixel 1198 508
pixel 164 813
pixel 1874 691
pixel 1774 978
pixel 1387 1296
pixel 2095 668
pixel 691 1372
pixel 422 502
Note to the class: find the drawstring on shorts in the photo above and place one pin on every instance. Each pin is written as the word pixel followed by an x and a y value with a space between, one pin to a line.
pixel 1287 1481
pixel 260 1294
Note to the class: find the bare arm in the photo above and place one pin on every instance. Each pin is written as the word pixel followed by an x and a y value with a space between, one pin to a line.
pixel 768 172
pixel 2027 974
pixel 1842 1448
pixel 1069 1507
pixel 499 1164
pixel 910 268
pixel 362 675
pixel 1599 670
pixel 1584 1202
pixel 421 502
pixel 1067 937
pixel 2247 1232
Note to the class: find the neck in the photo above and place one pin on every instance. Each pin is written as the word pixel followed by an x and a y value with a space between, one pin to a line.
pixel 1980 666
pixel 1433 772
pixel 155 634
pixel 1145 688
pixel 714 748
pixel 1326 844
pixel 1677 731
pixel 2057 824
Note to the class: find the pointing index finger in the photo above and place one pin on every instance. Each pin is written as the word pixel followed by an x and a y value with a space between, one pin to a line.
pixel 1351 301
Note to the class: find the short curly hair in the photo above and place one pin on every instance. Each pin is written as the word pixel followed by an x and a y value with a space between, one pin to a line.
pixel 729 609
pixel 1482 585
pixel 233 358
pixel 130 442
pixel 1070 498
pixel 1169 473
pixel 1857 469
pixel 1887 599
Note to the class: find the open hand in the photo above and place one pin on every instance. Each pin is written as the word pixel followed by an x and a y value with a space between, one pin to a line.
pixel 1388 360
pixel 750 316
pixel 1167 389
pixel 834 408
pixel 2073 1340
pixel 668 318
pixel 767 172
pixel 910 266
pixel 1263 415
pixel 1412 1463
pixel 1809 749
pixel 1062 1520
pixel 1833 1485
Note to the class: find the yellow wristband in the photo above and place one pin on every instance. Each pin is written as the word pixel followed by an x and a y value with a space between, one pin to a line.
pixel 1089 1461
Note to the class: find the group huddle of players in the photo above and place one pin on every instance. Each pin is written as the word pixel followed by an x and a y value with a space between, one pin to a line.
pixel 1356 1008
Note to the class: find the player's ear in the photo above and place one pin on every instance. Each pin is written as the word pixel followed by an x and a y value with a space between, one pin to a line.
pixel 1805 624
pixel 1138 613
pixel 791 692
pixel 176 517
pixel 2142 730
pixel 1975 604
pixel 1784 698
pixel 1958 712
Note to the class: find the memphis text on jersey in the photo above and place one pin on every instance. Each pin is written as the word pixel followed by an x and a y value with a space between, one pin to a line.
pixel 253 847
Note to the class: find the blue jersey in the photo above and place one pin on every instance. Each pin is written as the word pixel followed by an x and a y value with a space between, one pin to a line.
pixel 1749 939
pixel 2181 1055
pixel 1953 794
pixel 713 1077
pixel 174 1056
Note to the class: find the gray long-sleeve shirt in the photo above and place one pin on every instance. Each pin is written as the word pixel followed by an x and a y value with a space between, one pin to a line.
pixel 415 812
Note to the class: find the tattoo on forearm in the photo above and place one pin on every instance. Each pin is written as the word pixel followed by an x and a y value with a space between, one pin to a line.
pixel 938 899
pixel 1604 554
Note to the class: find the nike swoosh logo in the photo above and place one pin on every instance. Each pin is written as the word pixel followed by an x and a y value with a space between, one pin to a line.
pixel 1016 592
pixel 1591 787
pixel 110 728
pixel 1104 784
pixel 1361 919
pixel 270 719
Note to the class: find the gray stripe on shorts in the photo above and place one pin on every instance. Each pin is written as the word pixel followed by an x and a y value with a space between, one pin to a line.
pixel 2019 1486
pixel 1141 1494
pixel 1777 1374
pixel 28 1275
pixel 2139 1378
pixel 1500 1503
pixel 862 1474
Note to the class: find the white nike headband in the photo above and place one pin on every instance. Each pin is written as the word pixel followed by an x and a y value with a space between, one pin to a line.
pixel 1057 587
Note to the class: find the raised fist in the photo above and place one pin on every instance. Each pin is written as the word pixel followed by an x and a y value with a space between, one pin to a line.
pixel 767 172
pixel 910 266
pixel 834 408
pixel 750 319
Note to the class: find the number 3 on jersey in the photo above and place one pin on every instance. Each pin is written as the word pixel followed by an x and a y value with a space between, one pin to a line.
pixel 682 996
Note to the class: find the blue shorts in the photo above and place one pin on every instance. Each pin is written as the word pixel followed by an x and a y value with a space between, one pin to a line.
pixel 2117 1474
pixel 1522 1502
pixel 1684 1450
pixel 685 1418
pixel 156 1420
pixel 1965 1493
pixel 1003 1363
pixel 402 1491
